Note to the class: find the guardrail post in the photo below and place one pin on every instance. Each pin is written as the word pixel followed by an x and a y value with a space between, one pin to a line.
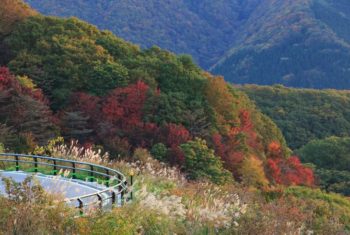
pixel 17 163
pixel 35 164
pixel 113 198
pixel 121 188
pixel 81 206
pixel 100 201
pixel 91 173
pixel 107 178
pixel 131 184
pixel 74 171
pixel 123 192
pixel 54 167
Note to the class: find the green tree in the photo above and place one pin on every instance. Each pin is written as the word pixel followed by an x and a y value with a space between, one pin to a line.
pixel 159 151
pixel 2 148
pixel 201 162
pixel 330 153
pixel 331 159
pixel 75 126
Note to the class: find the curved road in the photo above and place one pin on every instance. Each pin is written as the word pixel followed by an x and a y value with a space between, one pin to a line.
pixel 68 188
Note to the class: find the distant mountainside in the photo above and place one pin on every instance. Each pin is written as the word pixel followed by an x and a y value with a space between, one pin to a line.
pixel 296 43
pixel 202 28
pixel 299 43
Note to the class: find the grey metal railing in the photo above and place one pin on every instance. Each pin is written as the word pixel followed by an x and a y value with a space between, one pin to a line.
pixel 116 185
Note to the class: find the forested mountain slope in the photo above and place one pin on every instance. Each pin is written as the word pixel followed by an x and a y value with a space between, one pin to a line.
pixel 203 29
pixel 195 143
pixel 304 114
pixel 92 86
pixel 299 43
pixel 305 44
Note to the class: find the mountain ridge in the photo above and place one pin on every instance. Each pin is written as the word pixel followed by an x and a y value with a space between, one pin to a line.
pixel 245 41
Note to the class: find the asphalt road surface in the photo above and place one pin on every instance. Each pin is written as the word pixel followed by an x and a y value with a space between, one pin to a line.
pixel 68 188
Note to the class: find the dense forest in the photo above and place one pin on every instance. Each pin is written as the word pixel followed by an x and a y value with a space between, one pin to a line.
pixel 68 78
pixel 204 29
pixel 207 160
pixel 299 43
pixel 307 45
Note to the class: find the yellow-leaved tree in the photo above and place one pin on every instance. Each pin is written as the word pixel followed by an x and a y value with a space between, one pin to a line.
pixel 252 172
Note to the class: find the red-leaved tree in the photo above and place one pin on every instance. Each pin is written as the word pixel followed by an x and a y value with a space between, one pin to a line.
pixel 124 106
pixel 289 172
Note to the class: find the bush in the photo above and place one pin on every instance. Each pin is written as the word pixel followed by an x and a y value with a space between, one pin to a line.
pixel 252 172
pixel 159 151
pixel 201 162
pixel 330 210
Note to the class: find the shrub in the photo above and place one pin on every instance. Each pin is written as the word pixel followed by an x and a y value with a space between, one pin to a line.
pixel 201 162
pixel 159 151
pixel 252 172
pixel 330 211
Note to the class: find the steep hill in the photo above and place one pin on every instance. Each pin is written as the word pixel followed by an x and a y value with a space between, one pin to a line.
pixel 299 43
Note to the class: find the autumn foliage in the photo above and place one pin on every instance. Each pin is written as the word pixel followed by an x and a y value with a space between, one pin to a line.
pixel 117 120
pixel 123 106
pixel 24 112
pixel 9 83
pixel 288 171
pixel 87 85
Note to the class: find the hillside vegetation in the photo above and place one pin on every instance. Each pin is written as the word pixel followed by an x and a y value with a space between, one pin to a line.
pixel 304 115
pixel 204 29
pixel 68 78
pixel 299 43
pixel 302 43
pixel 206 160
pixel 331 158
pixel 316 125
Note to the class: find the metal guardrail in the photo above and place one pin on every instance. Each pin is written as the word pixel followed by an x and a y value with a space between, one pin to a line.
pixel 114 181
